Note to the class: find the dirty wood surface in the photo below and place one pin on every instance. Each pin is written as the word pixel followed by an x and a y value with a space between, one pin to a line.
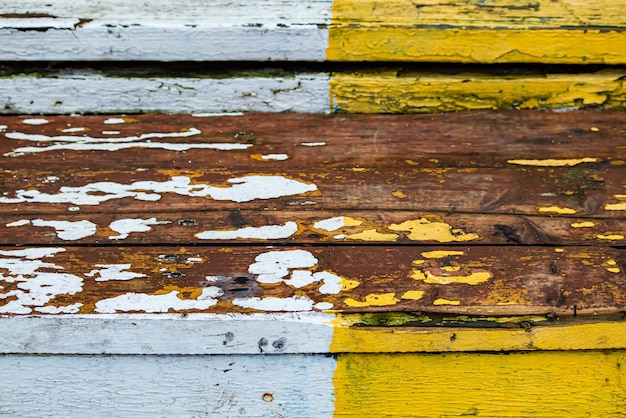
pixel 482 213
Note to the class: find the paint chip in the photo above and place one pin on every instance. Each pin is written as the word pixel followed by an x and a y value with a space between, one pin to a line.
pixel 35 121
pixel 262 232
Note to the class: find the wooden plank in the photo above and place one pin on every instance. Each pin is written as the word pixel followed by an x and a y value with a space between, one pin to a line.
pixel 579 139
pixel 544 31
pixel 307 227
pixel 341 30
pixel 176 89
pixel 559 191
pixel 580 384
pixel 473 280
pixel 256 30
pixel 159 386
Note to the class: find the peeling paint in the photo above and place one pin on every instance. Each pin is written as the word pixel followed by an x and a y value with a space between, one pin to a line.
pixel 272 304
pixel 313 144
pixel 125 227
pixel 109 272
pixel 269 157
pixel 585 224
pixel 261 232
pixel 425 230
pixel 609 236
pixel 65 230
pixel 372 235
pixel 114 121
pixel 88 143
pixel 333 224
pixel 37 281
pixel 551 162
pixel 473 278
pixel 37 121
pixel 556 209
pixel 373 299
pixel 413 295
pixel 242 189
pixel 141 302
pixel 442 301
pixel 440 253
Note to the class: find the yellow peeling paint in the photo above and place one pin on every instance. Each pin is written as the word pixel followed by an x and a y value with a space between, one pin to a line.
pixel 425 230
pixel 611 236
pixel 390 91
pixel 556 209
pixel 347 284
pixel 440 254
pixel 348 221
pixel 373 299
pixel 566 31
pixel 594 129
pixel 472 278
pixel 615 206
pixel 554 162
pixel 413 295
pixel 613 270
pixel 586 224
pixel 446 302
pixel 559 250
pixel 538 384
pixel 399 194
pixel 359 169
pixel 372 235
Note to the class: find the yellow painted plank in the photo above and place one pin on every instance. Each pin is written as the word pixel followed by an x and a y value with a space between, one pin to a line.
pixel 539 384
pixel 485 31
pixel 591 336
pixel 394 91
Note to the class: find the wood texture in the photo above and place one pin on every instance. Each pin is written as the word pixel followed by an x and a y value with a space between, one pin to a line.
pixel 194 88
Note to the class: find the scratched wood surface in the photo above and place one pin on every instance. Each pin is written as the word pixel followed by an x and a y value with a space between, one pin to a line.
pixel 496 213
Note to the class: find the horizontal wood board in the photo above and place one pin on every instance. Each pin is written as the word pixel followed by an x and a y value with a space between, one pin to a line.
pixel 545 31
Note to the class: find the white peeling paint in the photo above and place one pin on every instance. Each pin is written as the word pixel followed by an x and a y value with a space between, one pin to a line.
pixel 323 306
pixel 276 157
pixel 90 143
pixel 272 304
pixel 124 227
pixel 114 121
pixel 331 224
pixel 35 121
pixel 68 309
pixel 35 288
pixel 91 91
pixel 51 179
pixel 275 266
pixel 142 302
pixel 73 130
pixel 3 128
pixel 242 189
pixel 39 23
pixel 210 115
pixel 163 333
pixel 65 230
pixel 313 144
pixel 109 272
pixel 262 232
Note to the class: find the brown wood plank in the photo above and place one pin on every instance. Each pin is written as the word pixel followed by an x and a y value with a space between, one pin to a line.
pixel 307 227
pixel 465 139
pixel 478 280
pixel 568 191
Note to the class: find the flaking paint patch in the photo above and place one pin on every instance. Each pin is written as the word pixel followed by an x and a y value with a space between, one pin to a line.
pixel 65 230
pixel 107 272
pixel 269 157
pixel 142 302
pixel 89 143
pixel 338 222
pixel 551 162
pixel 124 227
pixel 556 209
pixel 38 282
pixel 609 236
pixel 313 144
pixel 442 301
pixel 424 230
pixel 293 267
pixel 585 224
pixel 440 253
pixel 73 130
pixel 262 232
pixel 35 121
pixel 114 121
pixel 372 235
pixel 472 278
pixel 241 189
pixel 273 304
pixel 413 295
pixel 373 299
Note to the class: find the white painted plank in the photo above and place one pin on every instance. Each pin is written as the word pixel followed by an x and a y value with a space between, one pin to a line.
pixel 191 30
pixel 166 386
pixel 167 334
pixel 86 91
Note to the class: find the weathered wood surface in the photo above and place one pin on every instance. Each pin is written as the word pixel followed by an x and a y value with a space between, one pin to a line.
pixel 178 88
pixel 542 384
pixel 476 280
pixel 342 30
